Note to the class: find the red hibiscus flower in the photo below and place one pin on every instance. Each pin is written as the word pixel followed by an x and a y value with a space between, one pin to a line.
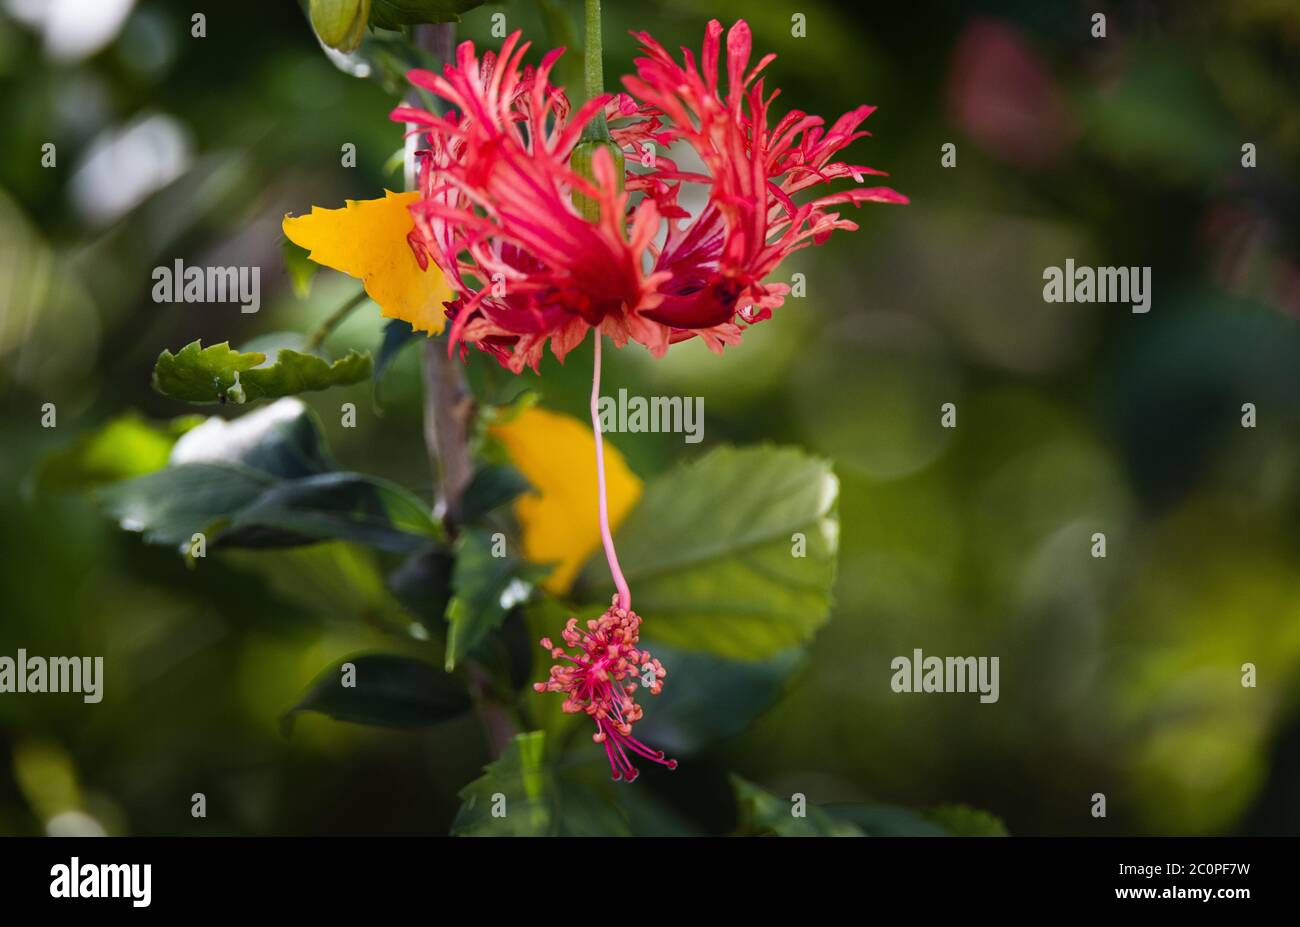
pixel 498 184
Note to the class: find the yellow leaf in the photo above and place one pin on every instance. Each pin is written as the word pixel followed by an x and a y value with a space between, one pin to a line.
pixel 366 239
pixel 560 521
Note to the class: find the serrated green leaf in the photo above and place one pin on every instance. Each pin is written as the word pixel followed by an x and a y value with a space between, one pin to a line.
pixel 711 552
pixel 170 506
pixel 762 813
pixel 220 374
pixel 394 14
pixel 389 691
pixel 527 787
pixel 521 795
pixel 126 447
pixel 199 374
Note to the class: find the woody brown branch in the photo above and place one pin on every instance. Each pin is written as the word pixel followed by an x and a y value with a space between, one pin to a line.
pixel 448 404
pixel 448 414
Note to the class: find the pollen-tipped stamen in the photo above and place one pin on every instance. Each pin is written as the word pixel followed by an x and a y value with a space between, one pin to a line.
pixel 606 666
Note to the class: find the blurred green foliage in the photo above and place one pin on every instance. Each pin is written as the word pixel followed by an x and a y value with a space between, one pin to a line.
pixel 1119 675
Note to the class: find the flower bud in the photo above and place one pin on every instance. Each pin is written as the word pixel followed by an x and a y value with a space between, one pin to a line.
pixel 583 163
pixel 340 23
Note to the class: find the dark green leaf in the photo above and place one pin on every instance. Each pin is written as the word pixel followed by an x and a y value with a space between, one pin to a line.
pixel 389 691
pixel 517 646
pixel 220 374
pixel 282 439
pixel 707 698
pixel 423 584
pixel 711 552
pixel 397 334
pixel 393 14
pixel 224 478
pixel 486 587
pixel 506 657
pixel 762 813
pixel 170 506
pixel 334 506
pixel 493 486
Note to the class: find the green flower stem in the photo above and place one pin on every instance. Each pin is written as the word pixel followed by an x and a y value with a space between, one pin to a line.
pixel 317 338
pixel 593 71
